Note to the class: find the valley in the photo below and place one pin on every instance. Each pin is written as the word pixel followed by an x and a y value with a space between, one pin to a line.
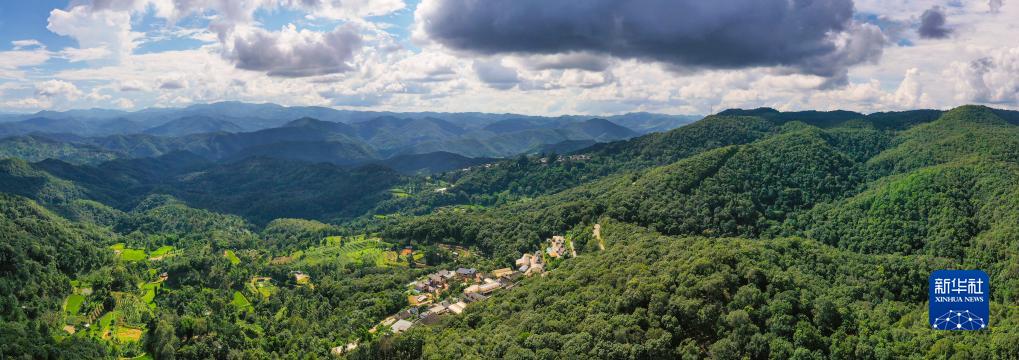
pixel 751 233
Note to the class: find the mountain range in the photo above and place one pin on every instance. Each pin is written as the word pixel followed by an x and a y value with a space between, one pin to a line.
pixel 749 234
pixel 232 131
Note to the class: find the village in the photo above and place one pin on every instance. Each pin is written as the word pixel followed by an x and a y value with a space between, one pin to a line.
pixel 447 292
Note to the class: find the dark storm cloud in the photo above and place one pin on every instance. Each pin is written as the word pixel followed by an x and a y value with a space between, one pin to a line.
pixel 496 75
pixel 932 24
pixel 582 61
pixel 896 31
pixel 811 36
pixel 303 55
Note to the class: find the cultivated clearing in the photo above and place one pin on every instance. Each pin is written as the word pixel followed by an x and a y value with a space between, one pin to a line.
pixel 230 255
pixel 124 253
pixel 161 253
pixel 73 305
pixel 359 249
pixel 240 301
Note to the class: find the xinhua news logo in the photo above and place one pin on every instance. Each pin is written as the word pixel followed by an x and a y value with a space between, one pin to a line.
pixel 959 300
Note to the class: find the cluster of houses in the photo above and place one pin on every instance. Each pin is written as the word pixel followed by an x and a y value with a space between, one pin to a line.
pixel 562 158
pixel 557 247
pixel 532 264
pixel 426 291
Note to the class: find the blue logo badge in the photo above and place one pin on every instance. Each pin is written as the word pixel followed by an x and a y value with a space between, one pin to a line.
pixel 959 300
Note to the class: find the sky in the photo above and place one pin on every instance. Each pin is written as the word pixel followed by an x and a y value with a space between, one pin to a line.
pixel 541 57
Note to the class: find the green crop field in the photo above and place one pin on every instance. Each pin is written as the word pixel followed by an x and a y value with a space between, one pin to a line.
pixel 126 334
pixel 133 255
pixel 359 249
pixel 105 322
pixel 230 255
pixel 149 293
pixel 240 301
pixel 162 251
pixel 261 286
pixel 399 193
pixel 73 305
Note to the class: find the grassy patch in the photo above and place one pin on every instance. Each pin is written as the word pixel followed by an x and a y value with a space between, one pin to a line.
pixel 128 334
pixel 359 249
pixel 393 259
pixel 261 286
pixel 104 330
pixel 128 254
pixel 161 252
pixel 240 301
pixel 230 255
pixel 73 305
pixel 399 193
pixel 149 293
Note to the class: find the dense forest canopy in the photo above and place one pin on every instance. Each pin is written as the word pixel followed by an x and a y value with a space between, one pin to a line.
pixel 752 234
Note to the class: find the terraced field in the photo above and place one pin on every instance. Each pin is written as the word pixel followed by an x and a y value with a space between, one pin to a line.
pixel 359 249
pixel 399 193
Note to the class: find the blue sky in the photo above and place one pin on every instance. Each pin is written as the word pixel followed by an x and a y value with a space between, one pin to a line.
pixel 522 56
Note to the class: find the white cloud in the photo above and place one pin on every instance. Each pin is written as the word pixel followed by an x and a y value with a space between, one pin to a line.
pixel 57 89
pixel 909 94
pixel 291 52
pixel 96 95
pixel 173 82
pixel 95 29
pixel 22 44
pixel 124 103
pixel 993 79
pixel 12 62
pixel 350 9
pixel 89 54
pixel 28 104
pixel 132 85
pixel 359 63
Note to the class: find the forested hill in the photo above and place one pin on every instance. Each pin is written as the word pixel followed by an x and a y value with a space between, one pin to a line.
pixel 837 229
pixel 751 234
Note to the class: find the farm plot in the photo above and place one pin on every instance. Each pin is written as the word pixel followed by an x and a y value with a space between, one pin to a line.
pixel 161 253
pixel 124 253
pixel 73 305
pixel 399 193
pixel 230 255
pixel 241 302
pixel 262 286
pixel 357 249
pixel 149 293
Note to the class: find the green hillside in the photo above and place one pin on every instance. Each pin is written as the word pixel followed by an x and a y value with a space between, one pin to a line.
pixel 752 234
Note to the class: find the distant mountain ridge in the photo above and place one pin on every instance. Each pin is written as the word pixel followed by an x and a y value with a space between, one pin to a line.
pixel 194 125
pixel 253 117
pixel 232 131
pixel 313 139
